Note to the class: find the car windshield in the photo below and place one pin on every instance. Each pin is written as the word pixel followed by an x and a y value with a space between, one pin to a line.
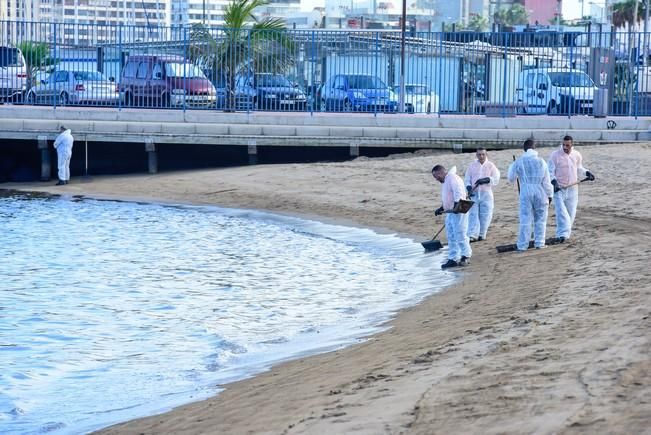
pixel 186 70
pixel 573 79
pixel 8 57
pixel 416 89
pixel 89 76
pixel 365 82
pixel 413 89
pixel 272 80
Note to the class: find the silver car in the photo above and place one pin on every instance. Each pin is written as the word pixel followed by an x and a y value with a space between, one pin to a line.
pixel 74 87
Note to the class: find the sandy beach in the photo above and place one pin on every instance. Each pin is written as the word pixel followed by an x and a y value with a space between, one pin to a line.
pixel 547 341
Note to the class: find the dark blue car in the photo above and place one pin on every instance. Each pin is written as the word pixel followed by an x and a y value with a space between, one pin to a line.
pixel 357 92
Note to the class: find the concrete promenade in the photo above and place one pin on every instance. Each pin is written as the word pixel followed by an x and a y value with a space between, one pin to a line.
pixel 410 131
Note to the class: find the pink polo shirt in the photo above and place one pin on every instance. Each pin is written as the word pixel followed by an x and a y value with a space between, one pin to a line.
pixel 476 171
pixel 565 168
pixel 452 189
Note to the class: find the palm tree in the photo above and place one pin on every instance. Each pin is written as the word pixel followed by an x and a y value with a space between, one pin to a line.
pixel 244 44
pixel 513 16
pixel 624 12
pixel 37 57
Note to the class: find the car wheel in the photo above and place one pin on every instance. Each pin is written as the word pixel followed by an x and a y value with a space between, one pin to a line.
pixel 64 99
pixel 552 108
pixel 165 101
pixel 31 98
pixel 348 106
pixel 323 107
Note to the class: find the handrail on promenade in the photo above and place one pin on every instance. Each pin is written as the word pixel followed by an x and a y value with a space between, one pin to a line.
pixel 312 70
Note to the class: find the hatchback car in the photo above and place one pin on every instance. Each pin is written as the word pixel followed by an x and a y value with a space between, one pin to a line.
pixel 267 91
pixel 13 74
pixel 357 92
pixel 74 87
pixel 164 81
pixel 419 98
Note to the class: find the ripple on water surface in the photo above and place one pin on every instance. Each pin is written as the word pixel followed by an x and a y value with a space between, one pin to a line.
pixel 114 310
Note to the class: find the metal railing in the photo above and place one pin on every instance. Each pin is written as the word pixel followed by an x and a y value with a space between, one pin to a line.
pixel 499 74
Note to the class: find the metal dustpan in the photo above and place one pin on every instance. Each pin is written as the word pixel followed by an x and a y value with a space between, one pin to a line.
pixel 433 245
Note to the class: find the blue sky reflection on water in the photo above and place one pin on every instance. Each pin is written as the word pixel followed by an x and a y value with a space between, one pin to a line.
pixel 113 310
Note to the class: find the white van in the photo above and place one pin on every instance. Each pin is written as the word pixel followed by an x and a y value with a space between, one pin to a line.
pixel 555 90
pixel 13 74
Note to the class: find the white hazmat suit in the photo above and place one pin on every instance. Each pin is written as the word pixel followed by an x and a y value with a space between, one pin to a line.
pixel 566 170
pixel 535 191
pixel 63 144
pixel 456 224
pixel 481 213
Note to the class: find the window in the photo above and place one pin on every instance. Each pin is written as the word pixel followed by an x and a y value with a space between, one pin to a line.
pixel 339 83
pixel 9 57
pixel 157 72
pixel 61 77
pixel 142 70
pixel 365 82
pixel 130 69
pixel 187 70
pixel 93 76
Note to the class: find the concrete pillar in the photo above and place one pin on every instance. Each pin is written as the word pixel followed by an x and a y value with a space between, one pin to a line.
pixel 252 149
pixel 46 167
pixel 152 163
pixel 354 149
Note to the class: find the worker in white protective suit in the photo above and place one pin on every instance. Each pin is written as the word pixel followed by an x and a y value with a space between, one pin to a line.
pixel 456 224
pixel 63 144
pixel 535 195
pixel 480 178
pixel 565 167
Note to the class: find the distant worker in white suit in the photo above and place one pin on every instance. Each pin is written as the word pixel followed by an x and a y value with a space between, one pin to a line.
pixel 536 193
pixel 480 178
pixel 63 144
pixel 565 167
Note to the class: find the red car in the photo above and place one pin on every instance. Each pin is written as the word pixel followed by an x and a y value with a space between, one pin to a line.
pixel 164 81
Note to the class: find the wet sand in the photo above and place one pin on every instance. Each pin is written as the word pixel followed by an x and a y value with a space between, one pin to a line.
pixel 548 341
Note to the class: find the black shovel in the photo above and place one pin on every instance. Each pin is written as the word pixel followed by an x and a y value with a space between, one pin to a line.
pixel 433 245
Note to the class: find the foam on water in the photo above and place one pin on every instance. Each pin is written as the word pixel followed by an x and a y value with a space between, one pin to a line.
pixel 115 310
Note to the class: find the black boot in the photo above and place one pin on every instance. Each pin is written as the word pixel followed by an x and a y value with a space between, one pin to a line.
pixel 449 264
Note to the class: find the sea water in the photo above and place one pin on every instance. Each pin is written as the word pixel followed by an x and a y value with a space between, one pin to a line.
pixel 115 310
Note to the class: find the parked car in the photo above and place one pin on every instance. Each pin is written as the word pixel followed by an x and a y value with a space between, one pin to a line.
pixel 357 92
pixel 164 81
pixel 74 87
pixel 267 91
pixel 219 80
pixel 418 98
pixel 555 90
pixel 13 74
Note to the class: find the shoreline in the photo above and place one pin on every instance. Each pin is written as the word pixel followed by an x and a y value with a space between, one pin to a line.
pixel 562 348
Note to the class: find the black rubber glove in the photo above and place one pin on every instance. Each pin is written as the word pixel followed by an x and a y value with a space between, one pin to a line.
pixel 589 176
pixel 550 200
pixel 439 211
pixel 556 187
pixel 469 190
pixel 484 180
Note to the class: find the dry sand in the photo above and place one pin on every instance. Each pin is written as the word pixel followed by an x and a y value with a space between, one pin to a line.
pixel 547 341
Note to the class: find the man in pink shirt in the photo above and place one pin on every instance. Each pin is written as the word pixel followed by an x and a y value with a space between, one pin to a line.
pixel 565 167
pixel 456 224
pixel 480 177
